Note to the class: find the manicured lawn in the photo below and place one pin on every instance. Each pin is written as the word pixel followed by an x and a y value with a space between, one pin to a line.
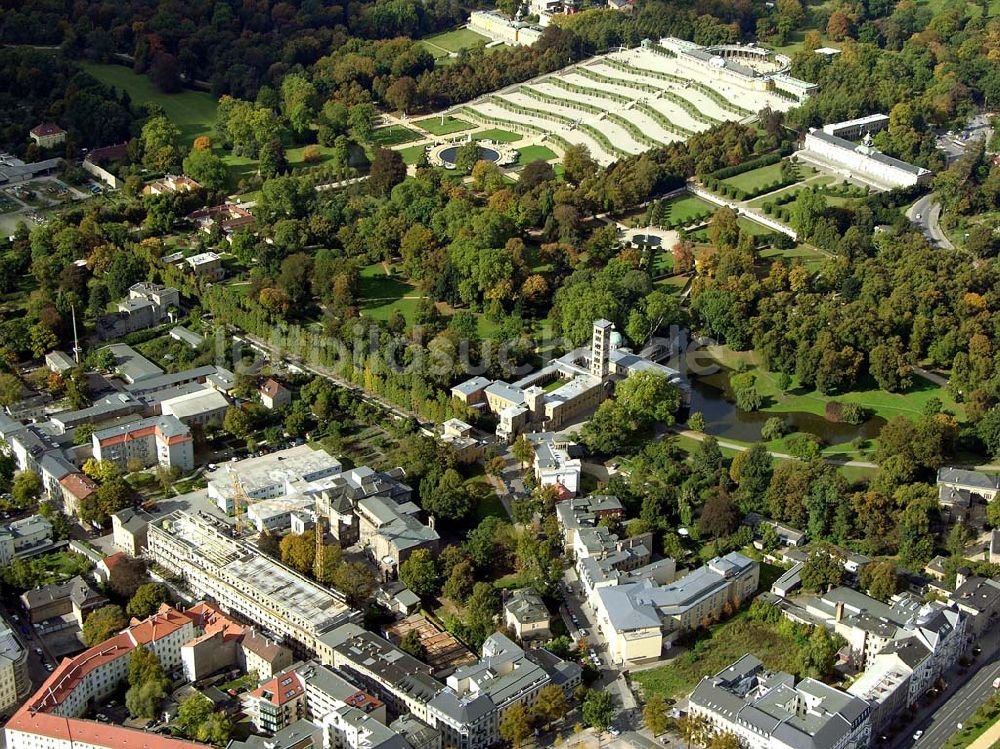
pixel 381 295
pixel 411 154
pixel 810 256
pixel 686 208
pixel 453 41
pixel 534 153
pixel 443 125
pixel 295 155
pixel 753 227
pixel 886 405
pixel 487 503
pixel 722 645
pixel 394 135
pixel 817 181
pixel 498 135
pixel 485 326
pixel 192 111
pixel 663 262
pixel 755 179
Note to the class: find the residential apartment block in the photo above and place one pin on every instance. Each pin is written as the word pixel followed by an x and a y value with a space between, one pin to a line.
pixel 158 440
pixel 767 710
pixel 50 719
pixel 14 679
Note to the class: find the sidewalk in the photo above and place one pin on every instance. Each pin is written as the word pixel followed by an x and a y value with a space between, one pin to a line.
pixel 988 739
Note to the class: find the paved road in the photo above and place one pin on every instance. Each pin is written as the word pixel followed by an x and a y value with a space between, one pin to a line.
pixel 966 693
pixel 929 211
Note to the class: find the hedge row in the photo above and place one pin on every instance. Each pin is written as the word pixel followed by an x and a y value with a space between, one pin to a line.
pixel 539 113
pixel 637 85
pixel 635 131
pixel 635 70
pixel 486 119
pixel 559 101
pixel 602 139
pixel 738 193
pixel 663 121
pixel 690 108
pixel 584 91
pixel 747 166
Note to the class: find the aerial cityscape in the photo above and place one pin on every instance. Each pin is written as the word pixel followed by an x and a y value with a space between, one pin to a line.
pixel 516 374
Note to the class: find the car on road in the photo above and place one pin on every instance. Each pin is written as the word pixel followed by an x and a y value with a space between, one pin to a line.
pixel 614 731
pixel 38 651
pixel 996 683
pixel 917 735
pixel 919 217
pixel 49 667
pixel 583 631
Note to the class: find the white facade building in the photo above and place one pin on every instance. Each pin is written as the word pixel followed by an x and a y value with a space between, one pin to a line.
pixel 862 162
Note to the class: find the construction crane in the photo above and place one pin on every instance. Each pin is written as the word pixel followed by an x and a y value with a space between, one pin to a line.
pixel 319 561
pixel 240 499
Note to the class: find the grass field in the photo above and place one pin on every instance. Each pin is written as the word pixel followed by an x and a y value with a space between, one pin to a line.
pixel 753 227
pixel 535 153
pixel 686 208
pixel 411 154
pixel 295 155
pixel 394 135
pixel 192 111
pixel 443 125
pixel 452 41
pixel 817 181
pixel 498 135
pixel 382 294
pixel 757 179
pixel 722 645
pixel 663 262
pixel 810 256
pixel 881 403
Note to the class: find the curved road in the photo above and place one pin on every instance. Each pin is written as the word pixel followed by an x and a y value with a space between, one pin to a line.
pixel 929 211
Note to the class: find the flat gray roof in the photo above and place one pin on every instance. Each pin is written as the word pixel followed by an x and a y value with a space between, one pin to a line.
pixel 131 364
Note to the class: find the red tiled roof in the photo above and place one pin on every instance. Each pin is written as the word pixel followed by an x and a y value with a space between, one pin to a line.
pixel 561 491
pixel 92 733
pixel 78 485
pixel 46 128
pixel 210 618
pixel 164 622
pixel 271 387
pixel 281 689
pixel 35 715
pixel 108 153
pixel 112 561
pixel 71 671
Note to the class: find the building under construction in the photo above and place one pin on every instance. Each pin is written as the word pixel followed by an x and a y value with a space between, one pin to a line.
pixel 245 582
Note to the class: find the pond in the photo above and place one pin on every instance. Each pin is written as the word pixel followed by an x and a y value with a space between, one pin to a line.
pixel 712 395
pixel 449 154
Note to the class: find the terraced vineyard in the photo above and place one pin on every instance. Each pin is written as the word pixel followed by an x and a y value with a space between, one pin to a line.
pixel 619 104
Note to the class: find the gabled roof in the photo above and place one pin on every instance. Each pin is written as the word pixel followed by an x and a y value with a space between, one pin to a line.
pixel 962 477
pixel 79 485
pixel 46 128
pixel 271 387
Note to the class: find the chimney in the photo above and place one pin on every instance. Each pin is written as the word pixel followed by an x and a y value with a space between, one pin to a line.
pixel 839 609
